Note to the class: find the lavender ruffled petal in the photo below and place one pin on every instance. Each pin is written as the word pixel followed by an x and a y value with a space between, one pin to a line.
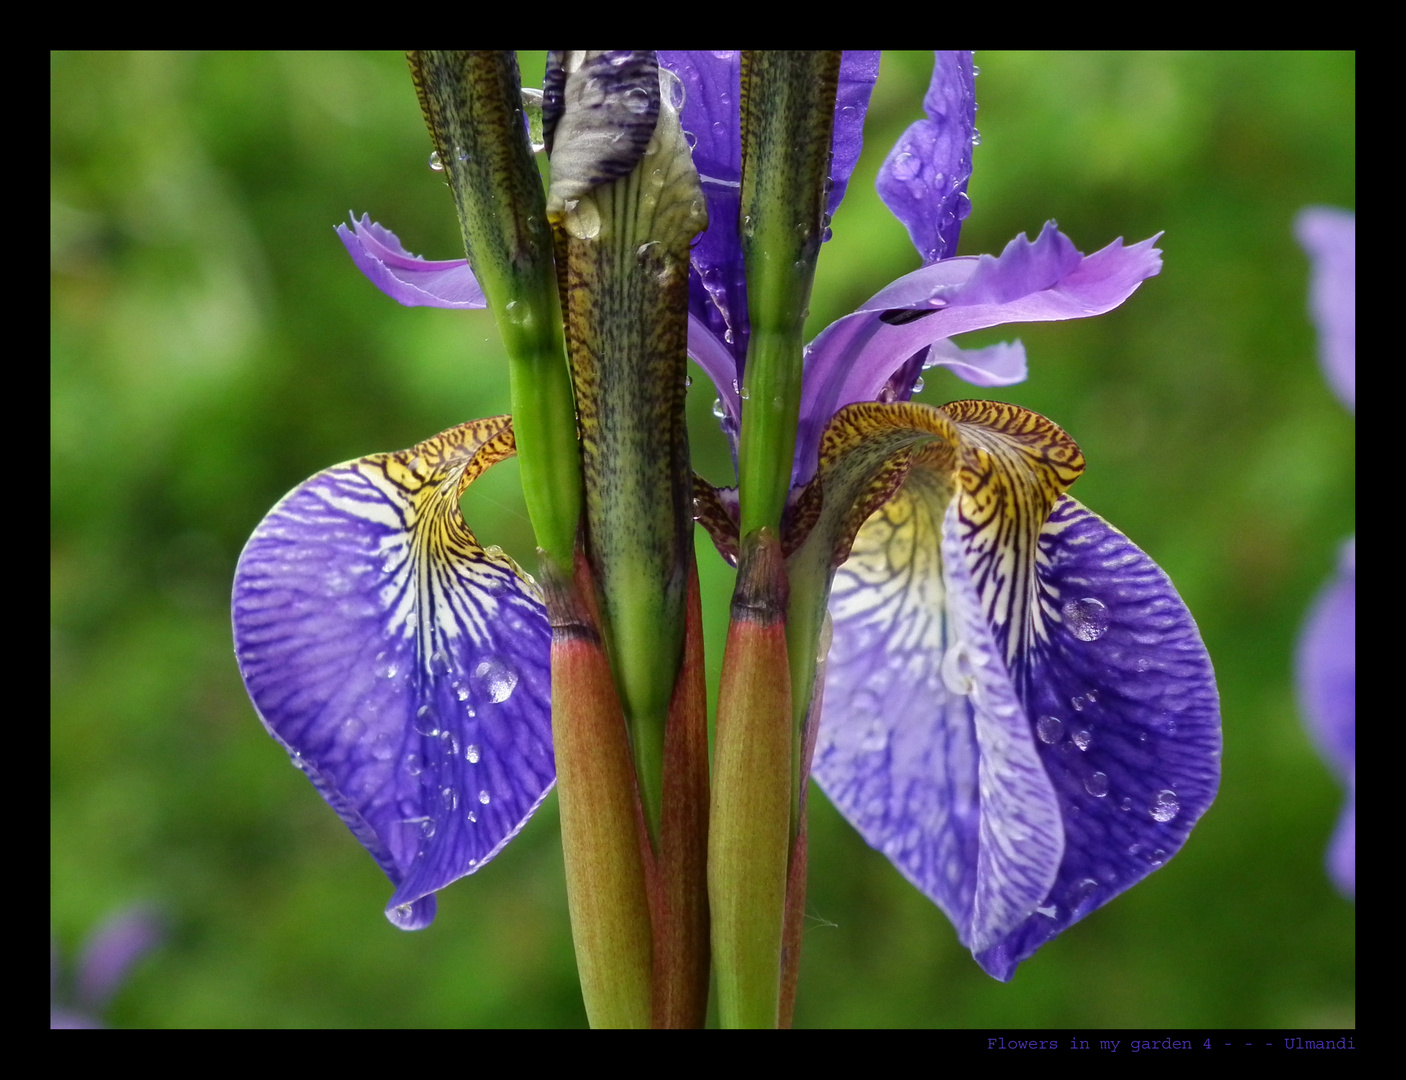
pixel 403 667
pixel 408 278
pixel 924 178
pixel 854 357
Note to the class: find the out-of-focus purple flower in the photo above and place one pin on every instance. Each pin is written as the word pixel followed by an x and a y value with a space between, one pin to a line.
pixel 1018 709
pixel 108 957
pixel 1327 651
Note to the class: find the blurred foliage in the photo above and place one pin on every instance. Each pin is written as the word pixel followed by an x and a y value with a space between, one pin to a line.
pixel 211 345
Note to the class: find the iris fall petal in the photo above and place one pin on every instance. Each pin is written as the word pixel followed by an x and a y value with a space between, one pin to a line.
pixel 1018 708
pixel 402 666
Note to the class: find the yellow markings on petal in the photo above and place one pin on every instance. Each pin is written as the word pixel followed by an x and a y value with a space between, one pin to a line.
pixel 1012 466
pixel 440 582
pixel 865 453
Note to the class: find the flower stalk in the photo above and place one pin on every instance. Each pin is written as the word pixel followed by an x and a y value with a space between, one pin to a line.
pixel 787 109
pixel 472 103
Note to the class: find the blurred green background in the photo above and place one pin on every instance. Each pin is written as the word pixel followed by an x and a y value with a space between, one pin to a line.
pixel 212 345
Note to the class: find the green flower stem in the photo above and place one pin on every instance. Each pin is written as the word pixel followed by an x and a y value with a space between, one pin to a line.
pixel 749 837
pixel 788 106
pixel 472 103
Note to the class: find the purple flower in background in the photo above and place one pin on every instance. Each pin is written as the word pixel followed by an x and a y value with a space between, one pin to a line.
pixel 1327 650
pixel 108 957
pixel 1018 709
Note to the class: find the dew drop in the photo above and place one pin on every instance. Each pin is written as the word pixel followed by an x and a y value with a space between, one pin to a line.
pixel 956 670
pixel 495 679
pixel 473 816
pixel 426 723
pixel 450 798
pixel 1125 805
pixel 412 764
pixel 1165 805
pixel 435 163
pixel 1097 785
pixel 1087 619
pixel 582 218
pixel 906 166
pixel 471 754
pixel 918 385
pixel 483 797
pixel 1082 739
pixel 976 137
pixel 1049 728
pixel 744 393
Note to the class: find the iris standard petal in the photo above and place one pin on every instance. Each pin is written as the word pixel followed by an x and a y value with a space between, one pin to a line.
pixel 403 667
pixel 1018 710
pixel 408 278
pixel 854 357
pixel 711 117
pixel 924 178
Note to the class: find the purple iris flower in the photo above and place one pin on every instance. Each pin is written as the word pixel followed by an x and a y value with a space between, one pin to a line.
pixel 1327 651
pixel 109 956
pixel 1018 709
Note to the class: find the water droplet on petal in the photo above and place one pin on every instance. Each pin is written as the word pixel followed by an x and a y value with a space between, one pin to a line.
pixel 1087 619
pixel 495 679
pixel 1165 805
pixel 426 723
pixel 471 754
pixel 435 163
pixel 956 670
pixel 1082 739
pixel 906 166
pixel 976 137
pixel 483 797
pixel 1049 728
pixel 1097 785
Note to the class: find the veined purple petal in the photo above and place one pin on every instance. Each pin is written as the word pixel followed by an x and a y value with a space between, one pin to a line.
pixel 1330 238
pixel 854 357
pixel 408 278
pixel 403 667
pixel 924 178
pixel 1327 683
pixel 712 91
pixel 859 70
pixel 1025 722
pixel 1120 691
pixel 717 287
